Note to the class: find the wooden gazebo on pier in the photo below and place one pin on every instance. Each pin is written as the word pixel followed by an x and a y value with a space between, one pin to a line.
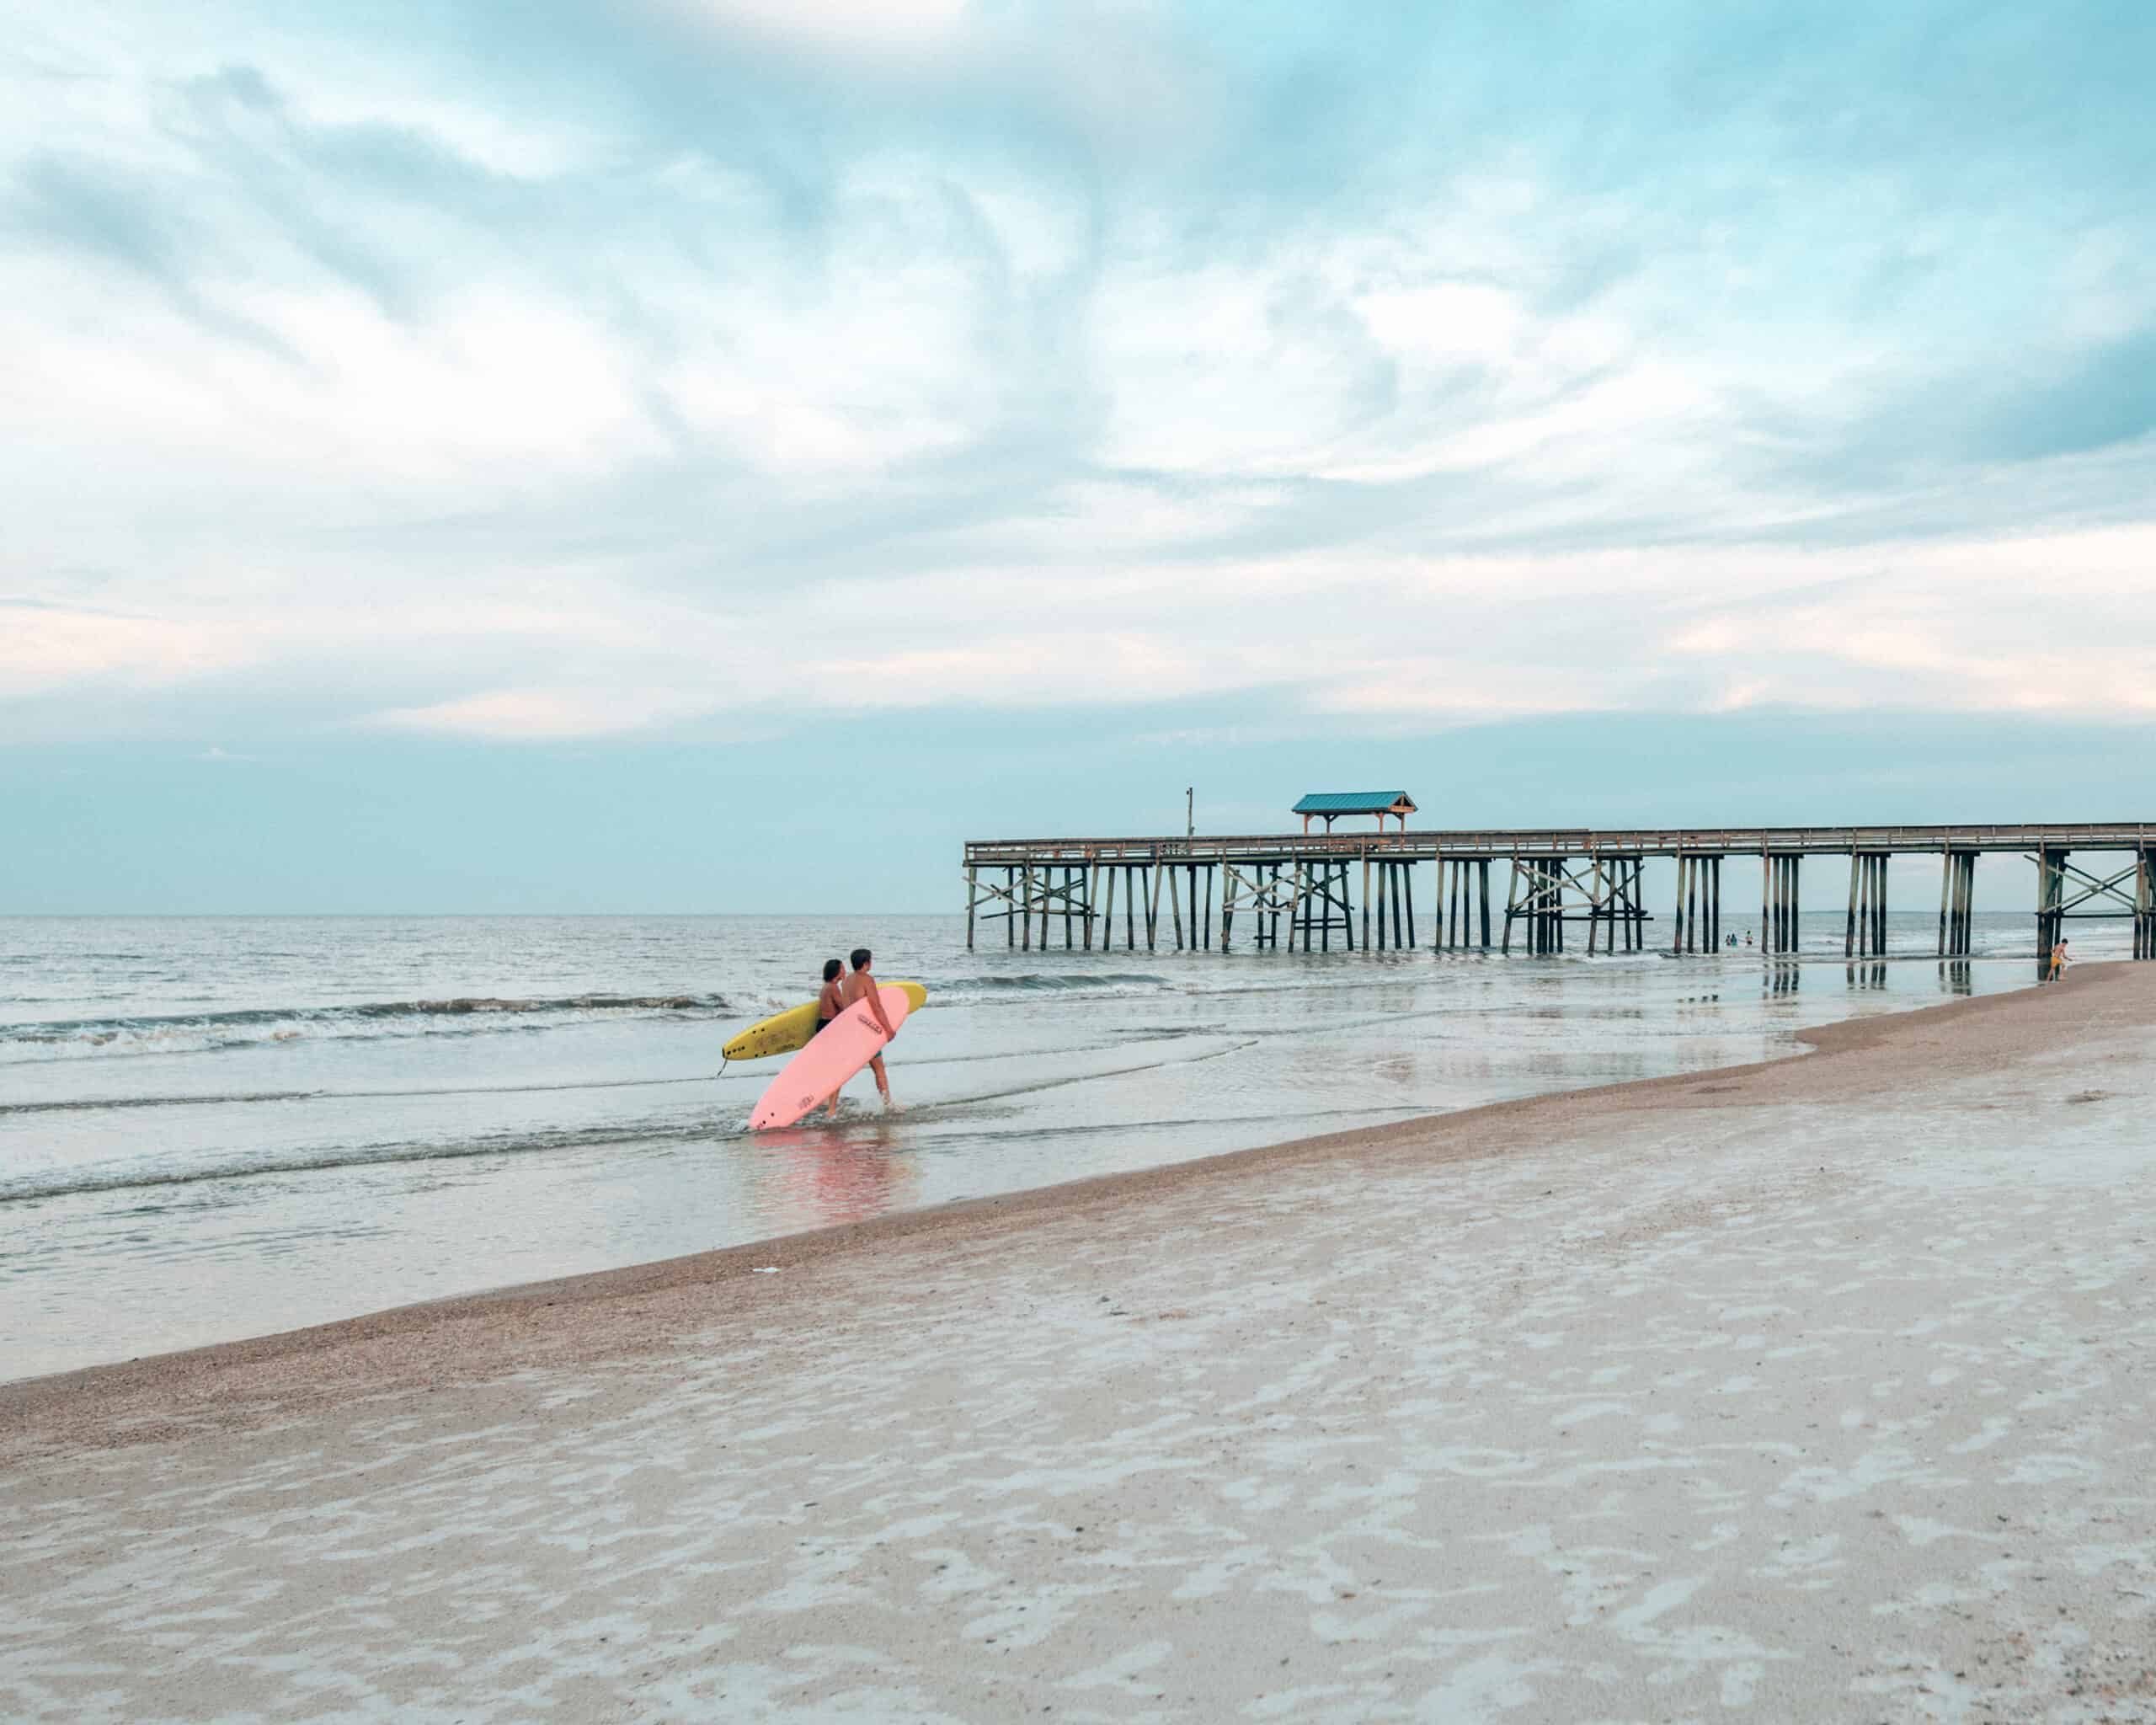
pixel 1330 805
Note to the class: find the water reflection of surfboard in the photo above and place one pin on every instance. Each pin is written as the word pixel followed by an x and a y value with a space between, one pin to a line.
pixel 849 1042
pixel 784 1032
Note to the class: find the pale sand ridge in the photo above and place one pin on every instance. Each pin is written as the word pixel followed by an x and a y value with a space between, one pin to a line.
pixel 1814 1390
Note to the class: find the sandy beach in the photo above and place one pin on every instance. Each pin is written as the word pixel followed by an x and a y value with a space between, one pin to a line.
pixel 1813 1390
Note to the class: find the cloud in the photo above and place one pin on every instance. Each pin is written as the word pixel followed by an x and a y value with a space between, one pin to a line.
pixel 536 715
pixel 645 367
pixel 44 649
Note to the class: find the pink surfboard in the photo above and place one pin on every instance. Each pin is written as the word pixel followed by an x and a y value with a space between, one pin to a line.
pixel 835 1055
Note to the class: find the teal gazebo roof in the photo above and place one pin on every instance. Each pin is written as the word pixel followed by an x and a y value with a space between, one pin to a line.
pixel 1354 802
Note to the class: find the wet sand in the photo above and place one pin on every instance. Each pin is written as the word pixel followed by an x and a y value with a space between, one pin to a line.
pixel 1818 1389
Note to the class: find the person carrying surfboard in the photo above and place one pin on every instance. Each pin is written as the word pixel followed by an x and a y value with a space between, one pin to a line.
pixel 862 986
pixel 831 999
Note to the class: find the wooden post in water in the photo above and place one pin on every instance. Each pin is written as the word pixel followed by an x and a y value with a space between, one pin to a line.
pixel 1766 898
pixel 2146 900
pixel 2051 888
pixel 1482 868
pixel 1366 899
pixel 1856 867
pixel 2140 891
pixel 970 886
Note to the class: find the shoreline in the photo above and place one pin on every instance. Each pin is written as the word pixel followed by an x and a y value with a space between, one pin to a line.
pixel 1818 1388
pixel 501 1330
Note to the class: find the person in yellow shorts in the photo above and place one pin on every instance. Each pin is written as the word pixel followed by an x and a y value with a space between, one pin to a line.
pixel 2058 960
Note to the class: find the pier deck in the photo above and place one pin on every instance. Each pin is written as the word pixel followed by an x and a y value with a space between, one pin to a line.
pixel 1559 876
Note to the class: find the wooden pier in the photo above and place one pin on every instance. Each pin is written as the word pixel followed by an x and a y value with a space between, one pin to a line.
pixel 1575 887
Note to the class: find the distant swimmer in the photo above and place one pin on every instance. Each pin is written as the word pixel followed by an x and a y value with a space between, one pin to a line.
pixel 1748 937
pixel 862 986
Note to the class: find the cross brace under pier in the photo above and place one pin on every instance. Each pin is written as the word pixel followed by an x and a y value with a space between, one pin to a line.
pixel 1192 894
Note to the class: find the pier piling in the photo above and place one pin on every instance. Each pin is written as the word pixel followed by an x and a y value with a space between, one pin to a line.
pixel 1555 878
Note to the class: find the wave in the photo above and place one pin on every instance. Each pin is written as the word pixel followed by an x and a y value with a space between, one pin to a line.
pixel 694 1126
pixel 195 1033
pixel 32 1188
pixel 1072 979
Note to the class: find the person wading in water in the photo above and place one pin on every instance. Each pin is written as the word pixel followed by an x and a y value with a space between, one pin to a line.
pixel 862 986
pixel 831 1001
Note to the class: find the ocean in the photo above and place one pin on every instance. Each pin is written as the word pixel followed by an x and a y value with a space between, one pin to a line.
pixel 212 1128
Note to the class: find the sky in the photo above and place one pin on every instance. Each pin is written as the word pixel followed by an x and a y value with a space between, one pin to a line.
pixel 718 455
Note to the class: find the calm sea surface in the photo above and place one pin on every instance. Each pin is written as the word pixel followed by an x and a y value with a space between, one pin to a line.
pixel 214 1128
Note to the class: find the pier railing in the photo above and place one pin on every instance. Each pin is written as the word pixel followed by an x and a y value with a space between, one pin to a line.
pixel 1560 877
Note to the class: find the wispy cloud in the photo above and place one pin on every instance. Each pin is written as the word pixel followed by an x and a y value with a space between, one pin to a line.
pixel 609 369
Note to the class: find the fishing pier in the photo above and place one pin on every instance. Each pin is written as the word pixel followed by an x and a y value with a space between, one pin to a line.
pixel 1547 891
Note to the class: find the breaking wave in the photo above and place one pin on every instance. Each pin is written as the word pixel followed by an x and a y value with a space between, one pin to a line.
pixel 197 1032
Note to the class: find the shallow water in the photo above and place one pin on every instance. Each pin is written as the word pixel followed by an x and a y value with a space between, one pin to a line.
pixel 212 1128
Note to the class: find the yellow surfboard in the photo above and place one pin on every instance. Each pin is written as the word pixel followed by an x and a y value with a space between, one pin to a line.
pixel 783 1032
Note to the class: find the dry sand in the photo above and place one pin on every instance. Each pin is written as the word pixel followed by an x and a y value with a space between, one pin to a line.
pixel 1819 1389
